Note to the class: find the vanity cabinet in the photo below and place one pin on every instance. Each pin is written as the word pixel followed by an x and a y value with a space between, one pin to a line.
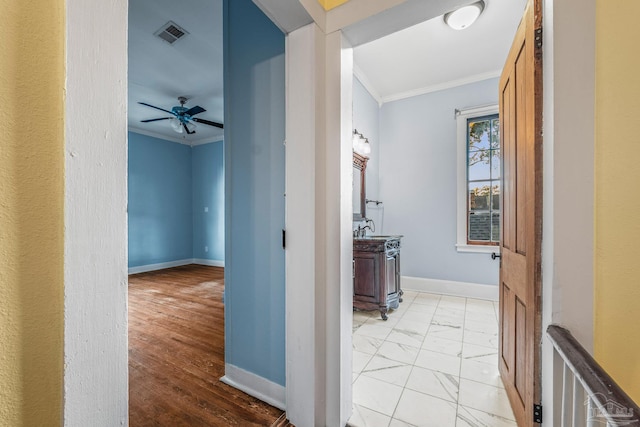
pixel 376 273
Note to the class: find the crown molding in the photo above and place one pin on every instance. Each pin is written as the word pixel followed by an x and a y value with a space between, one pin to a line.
pixel 442 86
pixel 362 78
pixel 177 140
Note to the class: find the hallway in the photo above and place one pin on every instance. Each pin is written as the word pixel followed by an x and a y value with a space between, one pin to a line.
pixel 434 362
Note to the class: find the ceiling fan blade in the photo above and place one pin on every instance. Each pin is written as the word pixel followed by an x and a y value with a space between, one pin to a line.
pixel 194 110
pixel 155 120
pixel 207 122
pixel 157 108
pixel 190 132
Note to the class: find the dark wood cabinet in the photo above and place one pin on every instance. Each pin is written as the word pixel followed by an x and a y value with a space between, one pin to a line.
pixel 376 273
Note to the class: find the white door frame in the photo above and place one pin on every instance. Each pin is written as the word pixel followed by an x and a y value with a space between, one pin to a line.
pixel 319 220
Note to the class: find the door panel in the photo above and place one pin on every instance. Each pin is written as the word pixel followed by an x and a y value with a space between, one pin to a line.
pixel 520 353
pixel 520 154
pixel 508 202
pixel 366 277
pixel 391 275
pixel 506 352
pixel 521 121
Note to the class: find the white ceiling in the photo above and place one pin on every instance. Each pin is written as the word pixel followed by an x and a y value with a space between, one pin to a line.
pixel 419 59
pixel 431 56
pixel 160 72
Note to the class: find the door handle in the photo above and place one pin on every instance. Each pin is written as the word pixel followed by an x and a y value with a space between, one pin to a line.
pixel 495 255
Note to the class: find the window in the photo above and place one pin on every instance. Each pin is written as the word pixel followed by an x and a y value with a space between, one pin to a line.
pixel 483 178
pixel 478 179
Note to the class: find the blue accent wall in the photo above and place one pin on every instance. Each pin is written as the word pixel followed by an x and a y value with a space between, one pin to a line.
pixel 160 206
pixel 254 159
pixel 207 168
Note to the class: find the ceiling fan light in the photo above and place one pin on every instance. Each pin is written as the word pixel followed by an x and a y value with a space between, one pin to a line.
pixel 463 17
pixel 191 126
pixel 176 125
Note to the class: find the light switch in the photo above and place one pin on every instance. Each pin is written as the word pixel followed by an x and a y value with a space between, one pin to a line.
pixel 206 209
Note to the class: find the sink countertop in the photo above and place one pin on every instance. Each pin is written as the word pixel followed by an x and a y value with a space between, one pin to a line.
pixel 374 237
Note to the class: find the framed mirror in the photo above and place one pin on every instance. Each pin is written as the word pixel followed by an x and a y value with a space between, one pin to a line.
pixel 359 193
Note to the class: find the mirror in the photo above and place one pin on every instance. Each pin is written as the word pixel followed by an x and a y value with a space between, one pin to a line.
pixel 359 194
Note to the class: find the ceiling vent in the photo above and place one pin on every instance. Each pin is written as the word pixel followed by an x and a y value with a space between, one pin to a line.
pixel 171 32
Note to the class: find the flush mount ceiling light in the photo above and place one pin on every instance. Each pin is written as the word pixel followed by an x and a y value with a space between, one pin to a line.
pixel 463 17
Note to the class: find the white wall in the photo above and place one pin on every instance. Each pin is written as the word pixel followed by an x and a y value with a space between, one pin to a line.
pixel 417 182
pixel 568 175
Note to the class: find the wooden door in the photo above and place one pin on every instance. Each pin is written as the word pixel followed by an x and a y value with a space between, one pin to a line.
pixel 520 281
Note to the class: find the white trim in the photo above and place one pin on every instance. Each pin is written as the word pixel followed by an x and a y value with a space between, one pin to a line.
pixel 95 384
pixel 304 67
pixel 478 249
pixel 461 177
pixel 362 78
pixel 254 385
pixel 207 141
pixel 442 86
pixel 209 262
pixel 177 263
pixel 177 140
pixel 319 287
pixel 159 266
pixel 448 287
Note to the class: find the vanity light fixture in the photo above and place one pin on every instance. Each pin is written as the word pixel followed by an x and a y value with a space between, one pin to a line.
pixel 463 17
pixel 360 143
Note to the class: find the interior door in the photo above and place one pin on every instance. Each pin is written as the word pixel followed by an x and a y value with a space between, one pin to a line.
pixel 520 281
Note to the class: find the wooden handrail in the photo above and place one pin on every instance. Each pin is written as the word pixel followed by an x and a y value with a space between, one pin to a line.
pixel 602 389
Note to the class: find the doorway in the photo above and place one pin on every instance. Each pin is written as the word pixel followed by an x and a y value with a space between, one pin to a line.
pixel 400 363
pixel 191 309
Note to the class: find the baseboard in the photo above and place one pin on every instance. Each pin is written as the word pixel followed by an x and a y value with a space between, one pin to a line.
pixel 254 385
pixel 448 287
pixel 209 262
pixel 178 263
pixel 159 266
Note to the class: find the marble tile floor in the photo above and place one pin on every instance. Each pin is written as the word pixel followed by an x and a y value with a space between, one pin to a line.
pixel 434 362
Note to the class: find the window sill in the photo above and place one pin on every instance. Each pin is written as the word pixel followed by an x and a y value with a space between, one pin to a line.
pixel 479 249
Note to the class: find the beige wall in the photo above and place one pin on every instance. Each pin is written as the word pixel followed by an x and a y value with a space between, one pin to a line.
pixel 31 212
pixel 617 209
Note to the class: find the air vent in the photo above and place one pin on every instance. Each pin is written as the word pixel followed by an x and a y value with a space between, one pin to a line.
pixel 171 32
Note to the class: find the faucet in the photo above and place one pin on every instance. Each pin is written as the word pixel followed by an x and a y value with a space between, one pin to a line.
pixel 361 232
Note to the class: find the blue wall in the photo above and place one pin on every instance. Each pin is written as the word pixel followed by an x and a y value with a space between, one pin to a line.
pixel 160 208
pixel 254 159
pixel 208 192
pixel 418 182
pixel 366 120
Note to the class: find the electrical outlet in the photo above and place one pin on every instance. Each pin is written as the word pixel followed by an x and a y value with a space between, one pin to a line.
pixel 206 209
pixel 206 248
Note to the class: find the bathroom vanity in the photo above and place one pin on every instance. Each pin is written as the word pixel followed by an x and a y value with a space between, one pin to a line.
pixel 376 273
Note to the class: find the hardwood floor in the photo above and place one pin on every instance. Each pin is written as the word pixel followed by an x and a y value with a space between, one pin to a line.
pixel 176 353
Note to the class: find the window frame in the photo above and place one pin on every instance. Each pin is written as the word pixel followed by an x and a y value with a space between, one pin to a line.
pixel 462 116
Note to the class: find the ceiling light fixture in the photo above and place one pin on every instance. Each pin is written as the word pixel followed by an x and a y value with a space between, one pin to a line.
pixel 463 17
pixel 176 125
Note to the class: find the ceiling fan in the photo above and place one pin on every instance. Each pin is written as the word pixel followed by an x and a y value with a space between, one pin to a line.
pixel 182 117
